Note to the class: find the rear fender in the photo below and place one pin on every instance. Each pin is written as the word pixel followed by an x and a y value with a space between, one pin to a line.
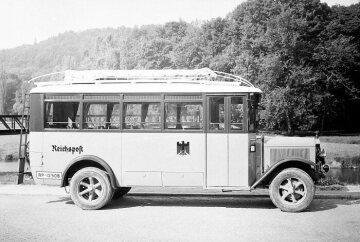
pixel 87 161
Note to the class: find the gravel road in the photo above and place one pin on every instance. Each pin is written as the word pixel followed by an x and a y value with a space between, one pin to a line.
pixel 159 218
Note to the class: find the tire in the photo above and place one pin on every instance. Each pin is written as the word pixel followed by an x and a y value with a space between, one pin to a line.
pixel 90 188
pixel 292 190
pixel 120 192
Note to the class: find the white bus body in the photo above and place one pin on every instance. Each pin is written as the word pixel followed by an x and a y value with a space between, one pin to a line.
pixel 157 128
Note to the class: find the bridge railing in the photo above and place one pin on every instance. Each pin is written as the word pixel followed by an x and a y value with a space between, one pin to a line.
pixel 11 124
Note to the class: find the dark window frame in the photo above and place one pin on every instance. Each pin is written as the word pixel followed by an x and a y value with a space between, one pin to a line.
pixel 83 121
pixel 227 102
pixel 209 130
pixel 140 130
pixel 244 123
pixel 203 99
pixel 51 98
pixel 186 130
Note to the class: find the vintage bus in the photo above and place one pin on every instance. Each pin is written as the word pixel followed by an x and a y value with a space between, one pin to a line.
pixel 103 132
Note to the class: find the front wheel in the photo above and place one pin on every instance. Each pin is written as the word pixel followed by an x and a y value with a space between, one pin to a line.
pixel 90 188
pixel 292 190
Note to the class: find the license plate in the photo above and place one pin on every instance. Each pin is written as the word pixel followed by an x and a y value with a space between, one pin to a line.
pixel 48 175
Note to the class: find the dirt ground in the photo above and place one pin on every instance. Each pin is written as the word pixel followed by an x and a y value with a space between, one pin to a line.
pixel 152 218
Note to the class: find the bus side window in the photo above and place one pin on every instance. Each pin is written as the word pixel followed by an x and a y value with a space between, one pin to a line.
pixel 184 116
pixel 237 113
pixel 142 115
pixel 217 113
pixel 62 115
pixel 101 116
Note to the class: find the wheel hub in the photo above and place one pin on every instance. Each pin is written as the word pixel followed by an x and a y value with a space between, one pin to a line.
pixel 90 189
pixel 292 190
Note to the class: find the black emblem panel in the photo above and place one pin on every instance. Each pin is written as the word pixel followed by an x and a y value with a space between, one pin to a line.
pixel 183 148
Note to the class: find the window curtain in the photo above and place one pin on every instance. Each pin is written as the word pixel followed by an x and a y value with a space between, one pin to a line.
pixel 86 109
pixel 144 112
pixel 64 114
pixel 109 110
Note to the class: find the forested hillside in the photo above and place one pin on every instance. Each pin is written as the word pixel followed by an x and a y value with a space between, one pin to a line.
pixel 304 55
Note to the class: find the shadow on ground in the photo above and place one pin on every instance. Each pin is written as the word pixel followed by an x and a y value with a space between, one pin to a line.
pixel 326 204
pixel 182 201
pixel 66 200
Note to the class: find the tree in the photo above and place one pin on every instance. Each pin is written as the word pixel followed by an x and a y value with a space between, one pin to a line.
pixel 276 42
pixel 20 100
pixel 188 52
pixel 156 54
pixel 3 91
pixel 9 83
pixel 304 55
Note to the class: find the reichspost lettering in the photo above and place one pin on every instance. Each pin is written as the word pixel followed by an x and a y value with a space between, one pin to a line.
pixel 67 149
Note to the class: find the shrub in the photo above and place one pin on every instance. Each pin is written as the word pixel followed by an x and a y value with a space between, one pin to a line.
pixel 349 162
pixel 9 157
pixel 328 181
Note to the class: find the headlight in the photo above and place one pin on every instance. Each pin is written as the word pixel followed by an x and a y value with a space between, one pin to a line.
pixel 326 168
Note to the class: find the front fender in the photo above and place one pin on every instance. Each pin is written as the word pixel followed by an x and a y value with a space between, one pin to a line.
pixel 283 164
pixel 81 162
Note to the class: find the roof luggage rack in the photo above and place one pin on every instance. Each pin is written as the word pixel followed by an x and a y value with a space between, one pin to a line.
pixel 197 76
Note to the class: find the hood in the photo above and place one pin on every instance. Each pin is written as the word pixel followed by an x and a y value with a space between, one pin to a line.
pixel 283 141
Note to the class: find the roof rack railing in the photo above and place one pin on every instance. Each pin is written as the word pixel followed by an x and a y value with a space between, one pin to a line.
pixel 197 76
pixel 232 77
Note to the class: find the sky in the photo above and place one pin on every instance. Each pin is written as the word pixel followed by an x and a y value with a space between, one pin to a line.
pixel 30 21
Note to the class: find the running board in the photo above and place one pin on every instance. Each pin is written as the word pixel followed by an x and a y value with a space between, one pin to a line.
pixel 229 189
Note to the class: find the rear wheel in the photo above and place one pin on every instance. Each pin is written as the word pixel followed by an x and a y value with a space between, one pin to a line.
pixel 120 192
pixel 90 188
pixel 292 190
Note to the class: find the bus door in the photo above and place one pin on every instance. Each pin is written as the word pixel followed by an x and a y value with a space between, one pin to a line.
pixel 227 142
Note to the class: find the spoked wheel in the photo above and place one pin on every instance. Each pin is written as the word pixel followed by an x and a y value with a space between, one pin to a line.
pixel 90 188
pixel 120 192
pixel 292 190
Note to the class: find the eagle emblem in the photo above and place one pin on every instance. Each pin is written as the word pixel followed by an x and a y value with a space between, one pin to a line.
pixel 183 148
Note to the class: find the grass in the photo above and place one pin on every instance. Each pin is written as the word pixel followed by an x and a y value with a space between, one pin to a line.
pixel 335 187
pixel 341 139
pixel 342 155
pixel 329 181
pixel 349 162
pixel 11 178
pixel 330 184
pixel 9 146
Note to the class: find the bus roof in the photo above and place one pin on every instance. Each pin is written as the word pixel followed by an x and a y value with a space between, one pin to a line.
pixel 145 81
pixel 145 88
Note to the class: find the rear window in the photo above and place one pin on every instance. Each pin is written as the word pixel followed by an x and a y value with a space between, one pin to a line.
pixel 62 115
